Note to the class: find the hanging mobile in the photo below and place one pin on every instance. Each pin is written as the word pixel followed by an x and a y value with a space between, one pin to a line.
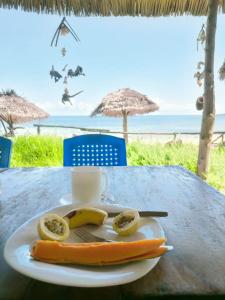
pixel 55 74
pixel 200 103
pixel 201 36
pixel 63 29
pixel 64 68
pixel 77 72
pixel 63 51
pixel 65 80
pixel 66 97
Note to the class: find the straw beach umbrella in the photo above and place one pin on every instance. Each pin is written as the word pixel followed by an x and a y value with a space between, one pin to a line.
pixel 123 103
pixel 15 109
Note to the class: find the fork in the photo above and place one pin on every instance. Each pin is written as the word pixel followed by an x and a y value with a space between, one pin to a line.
pixel 88 237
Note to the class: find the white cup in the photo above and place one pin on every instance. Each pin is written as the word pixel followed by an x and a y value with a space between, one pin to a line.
pixel 88 184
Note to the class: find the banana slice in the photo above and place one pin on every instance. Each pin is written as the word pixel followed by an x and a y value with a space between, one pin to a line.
pixel 85 216
pixel 53 227
pixel 127 222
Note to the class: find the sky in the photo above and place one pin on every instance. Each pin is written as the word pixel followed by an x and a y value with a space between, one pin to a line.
pixel 155 56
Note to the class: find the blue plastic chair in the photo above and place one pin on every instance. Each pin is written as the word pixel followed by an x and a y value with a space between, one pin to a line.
pixel 5 152
pixel 94 150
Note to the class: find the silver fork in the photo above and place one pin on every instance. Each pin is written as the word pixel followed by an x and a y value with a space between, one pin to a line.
pixel 88 237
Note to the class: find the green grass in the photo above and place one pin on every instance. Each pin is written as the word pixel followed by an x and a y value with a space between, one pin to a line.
pixel 37 151
pixel 31 151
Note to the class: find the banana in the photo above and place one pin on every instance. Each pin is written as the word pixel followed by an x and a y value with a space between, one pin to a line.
pixel 85 216
pixel 127 222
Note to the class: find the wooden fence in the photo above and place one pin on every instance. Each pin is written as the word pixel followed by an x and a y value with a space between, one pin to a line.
pixel 218 139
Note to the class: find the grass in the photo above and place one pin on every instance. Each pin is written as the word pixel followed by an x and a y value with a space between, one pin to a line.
pixel 37 151
pixel 29 151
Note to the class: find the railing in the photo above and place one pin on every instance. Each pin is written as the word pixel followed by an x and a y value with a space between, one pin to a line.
pixel 220 134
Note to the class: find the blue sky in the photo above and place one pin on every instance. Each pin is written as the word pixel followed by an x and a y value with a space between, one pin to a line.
pixel 156 56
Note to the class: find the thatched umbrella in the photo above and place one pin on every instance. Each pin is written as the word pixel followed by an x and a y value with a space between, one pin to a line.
pixel 115 7
pixel 15 109
pixel 124 103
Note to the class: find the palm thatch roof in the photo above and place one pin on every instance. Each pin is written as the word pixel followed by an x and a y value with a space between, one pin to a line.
pixel 15 109
pixel 114 7
pixel 125 101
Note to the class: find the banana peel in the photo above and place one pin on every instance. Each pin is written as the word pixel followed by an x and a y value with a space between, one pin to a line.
pixel 97 253
pixel 85 216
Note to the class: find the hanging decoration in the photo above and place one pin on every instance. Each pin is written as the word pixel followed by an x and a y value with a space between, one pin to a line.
pixel 200 73
pixel 66 97
pixel 201 36
pixel 63 51
pixel 222 71
pixel 64 68
pixel 77 72
pixel 200 64
pixel 199 77
pixel 63 30
pixel 55 74
pixel 65 80
pixel 199 103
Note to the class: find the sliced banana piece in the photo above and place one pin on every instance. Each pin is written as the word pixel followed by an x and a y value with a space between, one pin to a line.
pixel 127 222
pixel 85 216
pixel 53 227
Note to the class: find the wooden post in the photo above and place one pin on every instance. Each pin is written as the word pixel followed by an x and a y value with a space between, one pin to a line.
pixel 208 116
pixel 125 135
pixel 38 130
pixel 174 137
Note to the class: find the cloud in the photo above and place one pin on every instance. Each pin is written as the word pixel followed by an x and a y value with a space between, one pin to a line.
pixel 173 107
pixel 79 107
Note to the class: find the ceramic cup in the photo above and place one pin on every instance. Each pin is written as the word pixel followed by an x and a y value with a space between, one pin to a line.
pixel 88 184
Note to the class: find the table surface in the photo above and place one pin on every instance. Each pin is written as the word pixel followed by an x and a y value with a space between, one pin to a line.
pixel 195 227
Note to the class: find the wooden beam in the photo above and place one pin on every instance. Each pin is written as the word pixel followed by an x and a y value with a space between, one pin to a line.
pixel 208 116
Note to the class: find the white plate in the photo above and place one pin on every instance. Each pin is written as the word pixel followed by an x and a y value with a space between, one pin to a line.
pixel 17 255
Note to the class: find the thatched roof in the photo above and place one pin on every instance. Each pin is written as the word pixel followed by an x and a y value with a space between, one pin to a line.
pixel 125 100
pixel 114 7
pixel 16 109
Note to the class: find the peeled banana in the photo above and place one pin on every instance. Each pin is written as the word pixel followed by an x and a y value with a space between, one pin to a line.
pixel 85 216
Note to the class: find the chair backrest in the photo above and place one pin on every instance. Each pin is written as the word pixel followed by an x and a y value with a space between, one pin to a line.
pixel 5 152
pixel 94 150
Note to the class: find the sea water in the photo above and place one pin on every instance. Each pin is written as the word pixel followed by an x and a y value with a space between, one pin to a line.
pixel 147 123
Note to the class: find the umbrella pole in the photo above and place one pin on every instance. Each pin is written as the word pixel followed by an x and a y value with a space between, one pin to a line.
pixel 125 135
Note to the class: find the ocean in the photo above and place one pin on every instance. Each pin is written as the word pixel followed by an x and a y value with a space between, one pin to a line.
pixel 147 123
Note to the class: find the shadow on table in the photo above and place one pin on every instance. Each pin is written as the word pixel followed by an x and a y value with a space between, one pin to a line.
pixel 38 290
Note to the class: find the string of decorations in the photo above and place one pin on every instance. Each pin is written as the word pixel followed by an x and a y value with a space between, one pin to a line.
pixel 200 73
pixel 63 30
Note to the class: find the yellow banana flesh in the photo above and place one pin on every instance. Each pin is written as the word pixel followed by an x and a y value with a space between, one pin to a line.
pixel 84 216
